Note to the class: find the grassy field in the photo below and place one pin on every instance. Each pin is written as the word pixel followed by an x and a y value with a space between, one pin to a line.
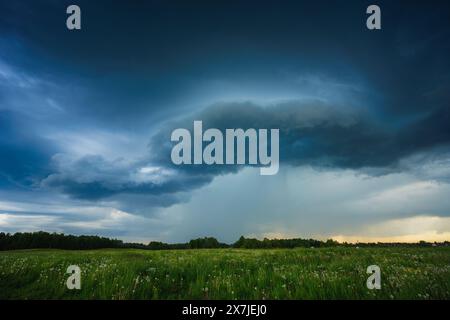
pixel 326 273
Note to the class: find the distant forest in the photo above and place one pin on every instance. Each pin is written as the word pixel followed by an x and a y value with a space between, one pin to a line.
pixel 44 240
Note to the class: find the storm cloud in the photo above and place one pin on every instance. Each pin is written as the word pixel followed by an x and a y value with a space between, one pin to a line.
pixel 312 133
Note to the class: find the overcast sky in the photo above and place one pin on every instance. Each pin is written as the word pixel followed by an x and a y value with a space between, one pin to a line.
pixel 364 118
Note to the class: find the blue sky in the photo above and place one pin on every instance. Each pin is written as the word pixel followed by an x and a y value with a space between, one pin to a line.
pixel 86 117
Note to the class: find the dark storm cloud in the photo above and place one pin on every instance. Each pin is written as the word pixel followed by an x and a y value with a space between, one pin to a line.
pixel 24 158
pixel 311 133
pixel 138 57
pixel 136 65
pixel 94 178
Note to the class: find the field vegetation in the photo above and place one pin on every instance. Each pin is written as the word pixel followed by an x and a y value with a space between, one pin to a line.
pixel 227 273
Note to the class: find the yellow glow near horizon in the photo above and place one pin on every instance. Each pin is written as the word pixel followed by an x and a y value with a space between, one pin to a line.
pixel 413 229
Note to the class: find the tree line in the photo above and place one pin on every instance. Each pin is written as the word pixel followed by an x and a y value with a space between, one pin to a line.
pixel 44 240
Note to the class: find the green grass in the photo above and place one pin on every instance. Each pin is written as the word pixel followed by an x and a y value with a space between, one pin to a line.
pixel 326 273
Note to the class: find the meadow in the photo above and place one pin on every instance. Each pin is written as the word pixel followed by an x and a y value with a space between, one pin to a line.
pixel 303 273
